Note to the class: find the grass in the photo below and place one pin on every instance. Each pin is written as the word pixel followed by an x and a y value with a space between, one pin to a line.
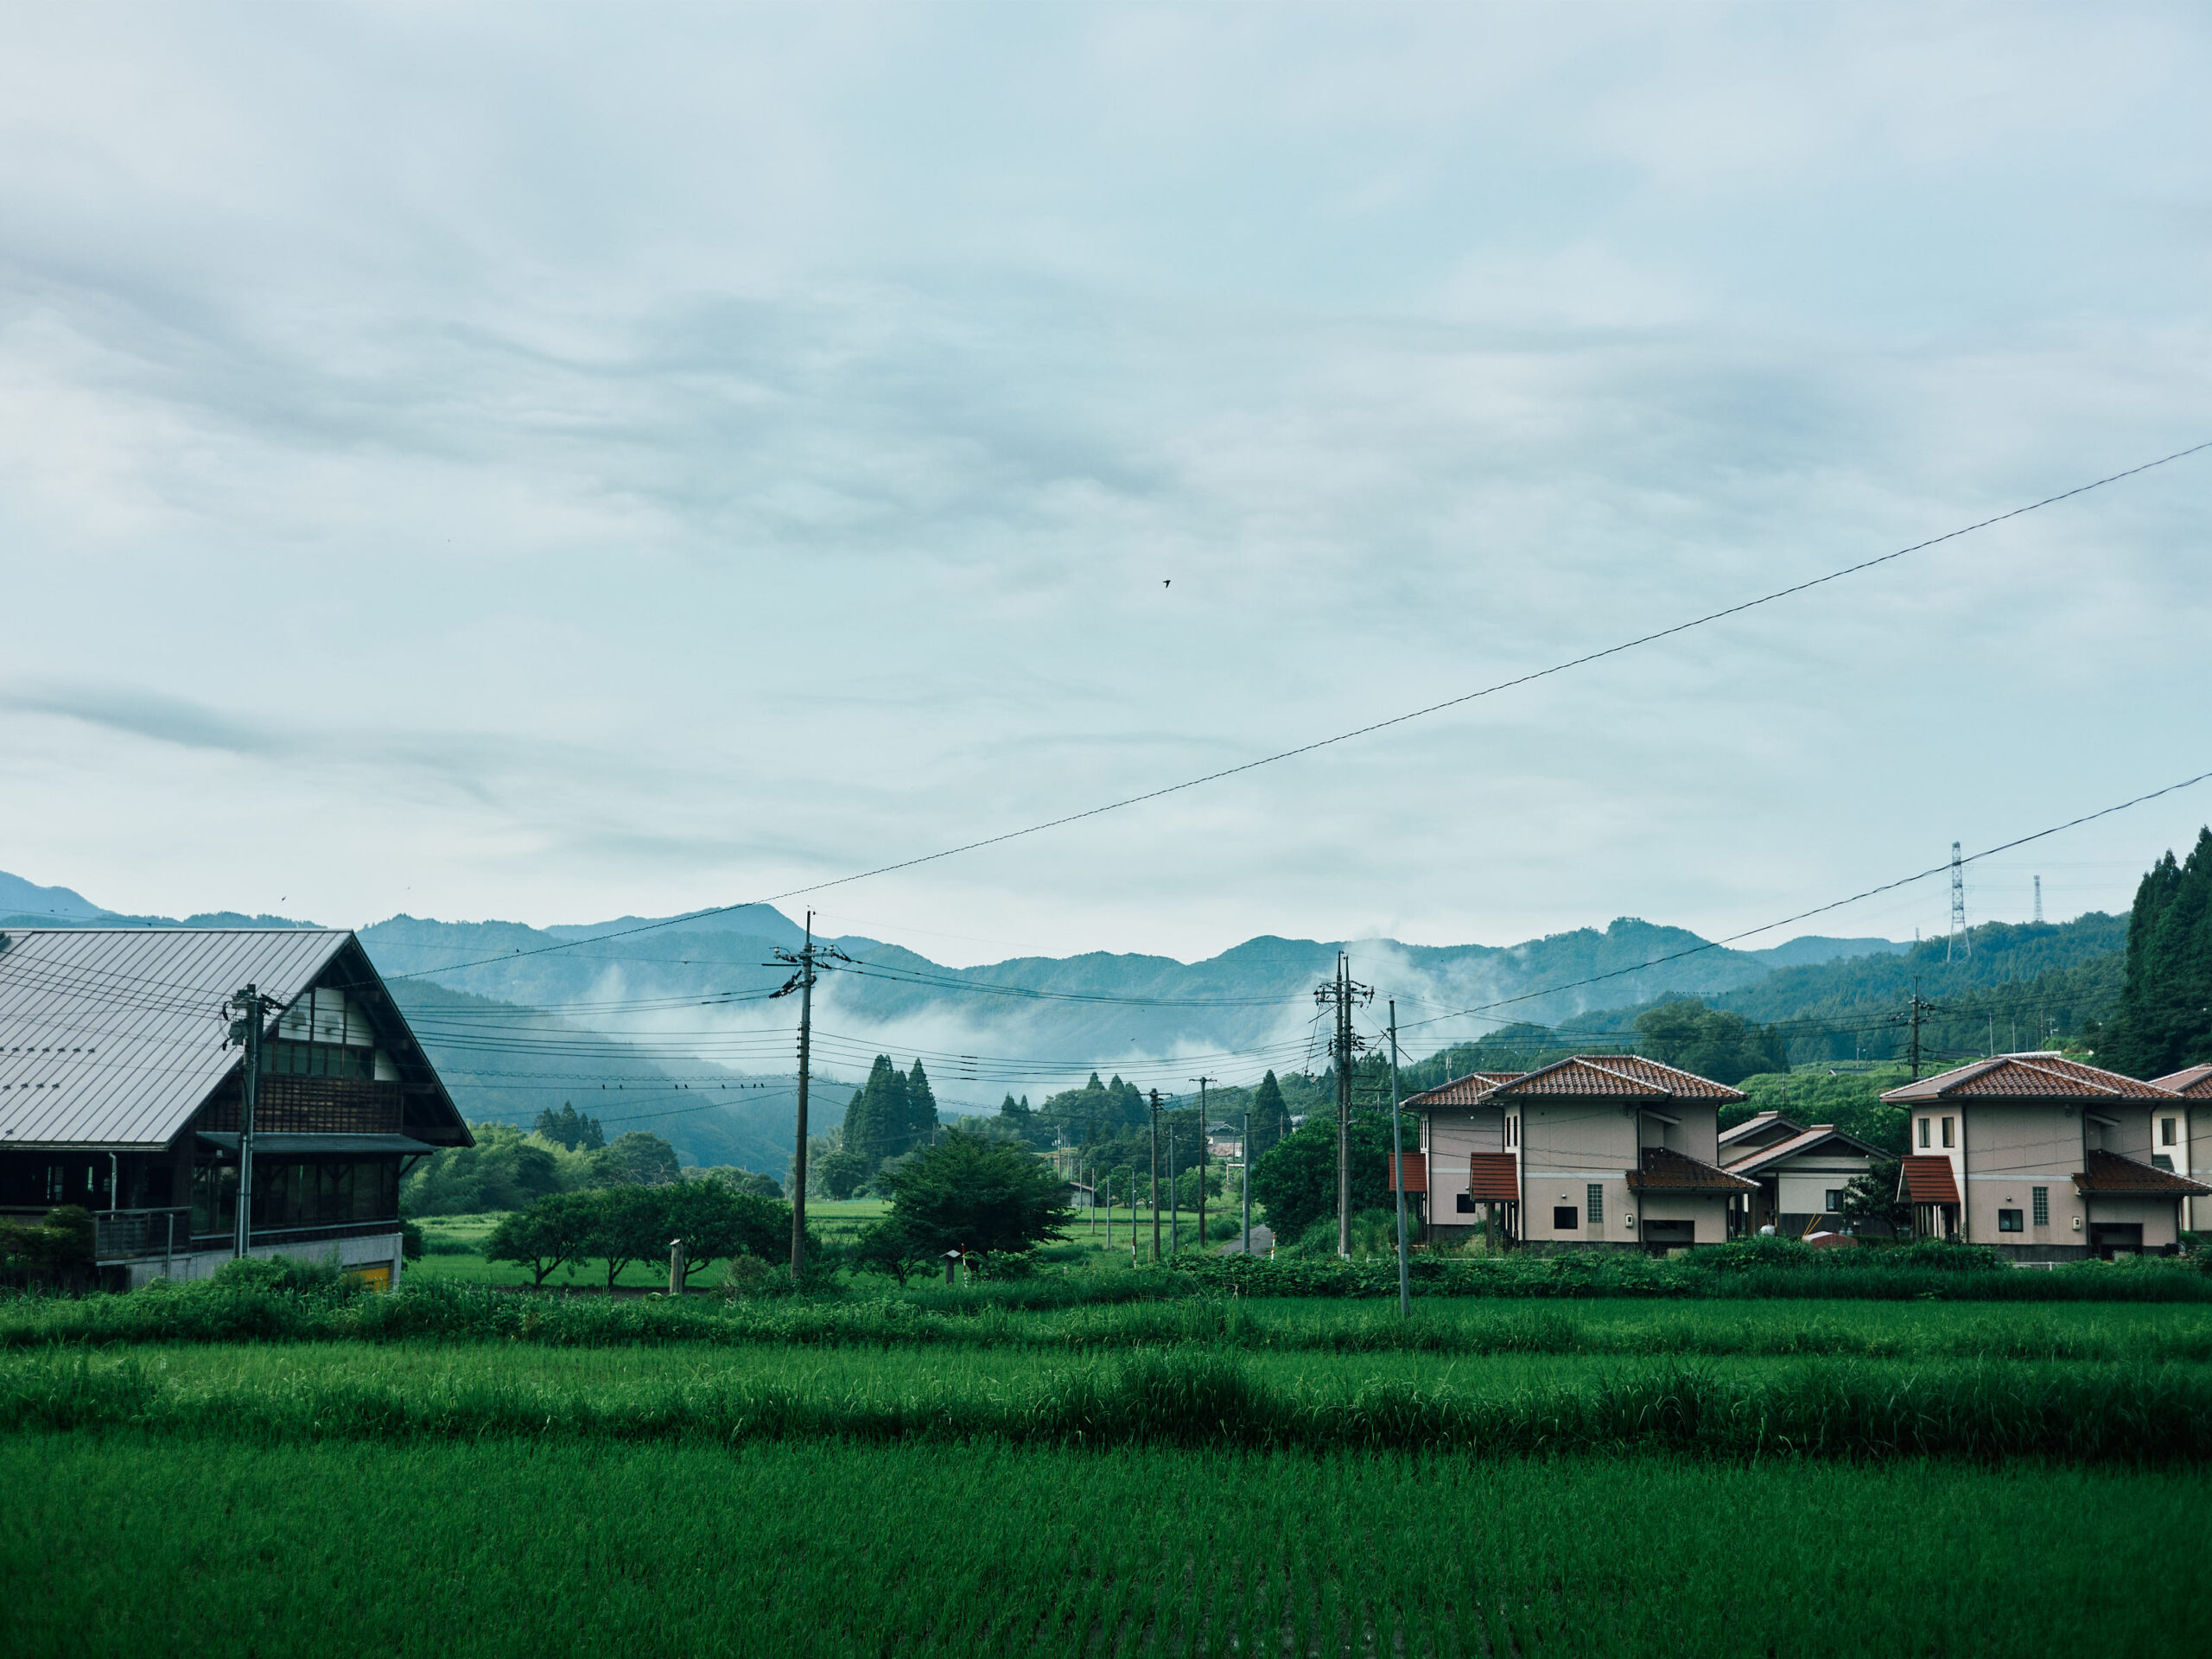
pixel 494 1550
pixel 1501 1406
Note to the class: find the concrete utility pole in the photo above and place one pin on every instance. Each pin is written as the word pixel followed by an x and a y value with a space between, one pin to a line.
pixel 1342 992
pixel 1398 1159
pixel 1244 1168
pixel 1156 1177
pixel 1919 1004
pixel 1205 1159
pixel 252 1013
pixel 805 960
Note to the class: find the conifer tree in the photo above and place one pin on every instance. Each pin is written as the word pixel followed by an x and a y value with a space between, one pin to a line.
pixel 1270 1117
pixel 920 1122
pixel 2164 1018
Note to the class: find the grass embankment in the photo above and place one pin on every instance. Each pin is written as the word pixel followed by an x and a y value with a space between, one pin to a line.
pixel 1860 1410
pixel 499 1549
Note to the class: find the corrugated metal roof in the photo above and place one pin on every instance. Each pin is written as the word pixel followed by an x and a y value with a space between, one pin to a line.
pixel 112 1037
pixel 1805 1140
pixel 2029 1077
pixel 2193 1081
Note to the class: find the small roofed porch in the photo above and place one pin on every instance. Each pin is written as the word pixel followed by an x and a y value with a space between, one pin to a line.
pixel 1683 1201
pixel 2131 1208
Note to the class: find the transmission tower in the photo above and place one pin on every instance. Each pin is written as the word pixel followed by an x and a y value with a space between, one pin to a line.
pixel 1960 939
pixel 2038 901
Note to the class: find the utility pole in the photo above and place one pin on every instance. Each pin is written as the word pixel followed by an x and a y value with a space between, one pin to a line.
pixel 1245 1166
pixel 1342 992
pixel 805 960
pixel 1174 1197
pixel 252 1010
pixel 1917 1005
pixel 1398 1158
pixel 1155 1178
pixel 1205 1158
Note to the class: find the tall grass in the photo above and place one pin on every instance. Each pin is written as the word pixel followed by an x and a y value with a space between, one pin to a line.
pixel 1982 1412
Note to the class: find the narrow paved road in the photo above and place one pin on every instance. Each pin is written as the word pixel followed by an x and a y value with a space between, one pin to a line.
pixel 1262 1241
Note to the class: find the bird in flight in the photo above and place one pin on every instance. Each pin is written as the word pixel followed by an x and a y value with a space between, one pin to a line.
pixel 1164 581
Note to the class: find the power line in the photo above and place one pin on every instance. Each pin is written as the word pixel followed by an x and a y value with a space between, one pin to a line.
pixel 1367 730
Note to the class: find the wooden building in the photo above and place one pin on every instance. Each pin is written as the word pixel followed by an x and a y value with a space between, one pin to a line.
pixel 1611 1151
pixel 2046 1159
pixel 121 1092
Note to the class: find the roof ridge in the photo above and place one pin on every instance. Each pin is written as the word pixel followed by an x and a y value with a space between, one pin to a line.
pixel 1627 1077
pixel 2048 1071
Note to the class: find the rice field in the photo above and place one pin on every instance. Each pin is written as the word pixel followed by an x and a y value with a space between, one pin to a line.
pixel 470 1548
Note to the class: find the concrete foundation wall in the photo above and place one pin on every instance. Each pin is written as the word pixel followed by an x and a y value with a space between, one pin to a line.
pixel 382 1249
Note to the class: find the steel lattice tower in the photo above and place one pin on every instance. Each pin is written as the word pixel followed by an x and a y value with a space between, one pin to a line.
pixel 1960 940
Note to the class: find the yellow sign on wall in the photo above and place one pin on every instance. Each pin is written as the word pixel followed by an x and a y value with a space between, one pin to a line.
pixel 376 1278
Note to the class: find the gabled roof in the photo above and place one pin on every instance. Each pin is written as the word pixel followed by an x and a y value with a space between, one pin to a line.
pixel 1629 1077
pixel 2193 1081
pixel 1758 1124
pixel 1460 1092
pixel 1665 1171
pixel 1927 1180
pixel 2028 1077
pixel 2112 1175
pixel 1821 1134
pixel 114 1037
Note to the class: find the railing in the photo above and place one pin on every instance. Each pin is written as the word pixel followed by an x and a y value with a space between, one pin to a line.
pixel 118 1235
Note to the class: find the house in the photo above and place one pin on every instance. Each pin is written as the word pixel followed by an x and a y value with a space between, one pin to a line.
pixel 1607 1150
pixel 1224 1141
pixel 121 1091
pixel 2186 1139
pixel 1801 1172
pixel 2046 1159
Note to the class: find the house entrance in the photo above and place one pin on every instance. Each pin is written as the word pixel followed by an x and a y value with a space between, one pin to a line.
pixel 1660 1236
pixel 2108 1238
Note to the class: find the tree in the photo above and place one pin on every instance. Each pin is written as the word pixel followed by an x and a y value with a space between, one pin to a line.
pixel 2165 1018
pixel 1270 1117
pixel 570 1129
pixel 1715 1044
pixel 841 1176
pixel 502 1171
pixel 636 1160
pixel 624 1225
pixel 886 1247
pixel 552 1231
pixel 876 1122
pixel 1871 1200
pixel 972 1194
pixel 921 1110
pixel 716 1223
pixel 1296 1182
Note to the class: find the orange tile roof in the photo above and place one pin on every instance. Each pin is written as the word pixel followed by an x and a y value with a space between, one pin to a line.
pixel 2018 1077
pixel 1460 1092
pixel 2110 1174
pixel 1492 1177
pixel 1664 1171
pixel 2193 1081
pixel 1631 1076
pixel 1757 1122
pixel 1928 1180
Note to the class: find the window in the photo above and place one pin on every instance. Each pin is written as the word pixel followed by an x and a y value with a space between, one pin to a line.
pixel 1835 1201
pixel 2160 1160
pixel 1923 1131
pixel 1564 1218
pixel 1597 1205
pixel 1466 1206
pixel 2041 1197
pixel 1948 1123
pixel 1512 1132
pixel 2008 1221
pixel 2166 1125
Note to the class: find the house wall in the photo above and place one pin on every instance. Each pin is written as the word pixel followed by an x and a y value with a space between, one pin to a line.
pixel 1449 1138
pixel 2014 1146
pixel 1709 1211
pixel 2154 1215
pixel 382 1249
pixel 1802 1184
pixel 2198 1138
pixel 1567 1145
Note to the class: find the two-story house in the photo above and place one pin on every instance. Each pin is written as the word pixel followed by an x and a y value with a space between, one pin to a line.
pixel 2186 1137
pixel 2046 1159
pixel 1605 1150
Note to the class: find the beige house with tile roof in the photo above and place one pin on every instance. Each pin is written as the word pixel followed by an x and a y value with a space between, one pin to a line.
pixel 2188 1139
pixel 2046 1159
pixel 1609 1151
pixel 1801 1171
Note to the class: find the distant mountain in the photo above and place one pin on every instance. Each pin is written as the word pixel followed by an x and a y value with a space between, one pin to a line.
pixel 27 904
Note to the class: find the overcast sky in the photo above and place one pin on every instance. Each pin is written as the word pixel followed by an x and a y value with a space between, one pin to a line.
pixel 552 463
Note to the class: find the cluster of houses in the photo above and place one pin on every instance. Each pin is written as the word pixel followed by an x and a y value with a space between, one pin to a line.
pixel 122 1092
pixel 2039 1156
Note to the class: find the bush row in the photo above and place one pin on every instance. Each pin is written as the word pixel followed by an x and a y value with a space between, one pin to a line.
pixel 1198 1399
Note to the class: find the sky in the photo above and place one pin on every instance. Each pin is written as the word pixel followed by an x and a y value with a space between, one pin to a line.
pixel 554 464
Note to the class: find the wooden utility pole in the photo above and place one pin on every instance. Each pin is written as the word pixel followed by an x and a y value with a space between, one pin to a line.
pixel 1155 1177
pixel 805 960
pixel 252 1013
